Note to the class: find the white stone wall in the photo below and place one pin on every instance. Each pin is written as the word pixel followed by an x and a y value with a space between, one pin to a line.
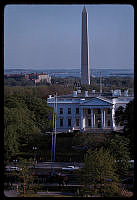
pixel 104 117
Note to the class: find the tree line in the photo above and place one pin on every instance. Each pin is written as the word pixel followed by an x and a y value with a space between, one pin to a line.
pixel 108 83
pixel 39 91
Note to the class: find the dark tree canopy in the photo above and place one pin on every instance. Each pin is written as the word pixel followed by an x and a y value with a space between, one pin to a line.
pixel 25 118
pixel 99 166
pixel 125 117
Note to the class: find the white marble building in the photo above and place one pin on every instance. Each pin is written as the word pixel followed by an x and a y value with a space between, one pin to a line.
pixel 91 113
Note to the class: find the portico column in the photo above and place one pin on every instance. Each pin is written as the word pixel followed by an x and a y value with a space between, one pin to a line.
pixel 92 120
pixel 102 124
pixel 111 120
pixel 104 118
pixel 81 127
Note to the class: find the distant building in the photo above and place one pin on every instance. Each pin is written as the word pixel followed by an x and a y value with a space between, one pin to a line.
pixel 43 77
pixel 32 76
pixel 87 112
pixel 13 75
pixel 26 76
pixel 37 78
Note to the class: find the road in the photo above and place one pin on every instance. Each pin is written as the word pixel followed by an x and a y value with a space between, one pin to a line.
pixel 10 193
pixel 48 165
pixel 57 164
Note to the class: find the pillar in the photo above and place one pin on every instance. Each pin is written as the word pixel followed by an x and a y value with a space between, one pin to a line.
pixel 102 124
pixel 104 118
pixel 111 120
pixel 92 120
pixel 82 116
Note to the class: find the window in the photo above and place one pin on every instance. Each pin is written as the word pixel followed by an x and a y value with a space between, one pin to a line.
pixel 89 122
pixel 89 111
pixel 77 110
pixel 108 110
pixel 69 110
pixel 108 122
pixel 61 110
pixel 77 122
pixel 99 111
pixel 69 122
pixel 61 122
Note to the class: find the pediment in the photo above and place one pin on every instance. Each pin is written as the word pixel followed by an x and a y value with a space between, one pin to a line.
pixel 96 101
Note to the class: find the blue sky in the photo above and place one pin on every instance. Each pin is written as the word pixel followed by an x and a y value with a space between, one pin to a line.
pixel 49 36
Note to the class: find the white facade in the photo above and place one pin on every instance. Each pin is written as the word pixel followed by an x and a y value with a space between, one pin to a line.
pixel 43 77
pixel 91 114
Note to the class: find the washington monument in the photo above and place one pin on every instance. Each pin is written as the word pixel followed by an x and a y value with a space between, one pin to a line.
pixel 85 71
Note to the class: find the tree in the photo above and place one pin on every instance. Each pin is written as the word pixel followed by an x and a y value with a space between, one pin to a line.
pixel 18 127
pixel 125 117
pixel 11 120
pixel 118 147
pixel 25 118
pixel 99 166
pixel 42 112
pixel 119 116
pixel 26 174
pixel 129 122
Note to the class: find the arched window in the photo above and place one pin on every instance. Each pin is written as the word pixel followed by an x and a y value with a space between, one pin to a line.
pixel 61 110
pixel 77 122
pixel 89 122
pixel 61 122
pixel 69 122
pixel 108 122
pixel 108 111
pixel 69 110
pixel 99 111
pixel 77 110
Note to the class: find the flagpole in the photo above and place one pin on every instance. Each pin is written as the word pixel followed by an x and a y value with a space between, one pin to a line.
pixel 52 148
pixel 55 125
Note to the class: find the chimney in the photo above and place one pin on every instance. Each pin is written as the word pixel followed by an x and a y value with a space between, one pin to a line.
pixel 74 93
pixel 86 93
pixel 93 91
pixel 79 91
pixel 125 93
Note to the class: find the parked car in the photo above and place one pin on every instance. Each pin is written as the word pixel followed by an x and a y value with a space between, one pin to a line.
pixel 128 183
pixel 9 169
pixel 129 180
pixel 70 168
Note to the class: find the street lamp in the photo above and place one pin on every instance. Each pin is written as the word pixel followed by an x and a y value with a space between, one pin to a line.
pixel 15 162
pixel 35 152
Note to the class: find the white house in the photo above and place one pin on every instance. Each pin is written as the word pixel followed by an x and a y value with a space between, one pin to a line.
pixel 84 112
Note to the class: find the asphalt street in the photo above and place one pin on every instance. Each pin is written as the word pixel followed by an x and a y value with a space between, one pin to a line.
pixel 48 165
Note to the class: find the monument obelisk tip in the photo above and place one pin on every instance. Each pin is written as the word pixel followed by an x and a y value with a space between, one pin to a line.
pixel 84 8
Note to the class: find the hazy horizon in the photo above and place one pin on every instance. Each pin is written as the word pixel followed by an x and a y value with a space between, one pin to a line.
pixel 67 69
pixel 49 36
